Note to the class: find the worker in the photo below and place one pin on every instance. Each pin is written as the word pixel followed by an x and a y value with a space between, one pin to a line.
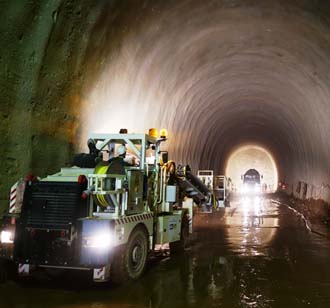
pixel 120 158
pixel 90 160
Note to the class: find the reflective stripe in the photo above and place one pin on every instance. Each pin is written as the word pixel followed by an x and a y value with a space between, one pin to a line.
pixel 12 199
pixel 135 218
pixel 13 188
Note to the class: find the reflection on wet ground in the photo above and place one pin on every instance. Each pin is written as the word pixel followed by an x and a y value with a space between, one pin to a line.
pixel 257 253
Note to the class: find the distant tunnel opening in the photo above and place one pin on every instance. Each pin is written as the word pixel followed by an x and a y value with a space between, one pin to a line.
pixel 249 157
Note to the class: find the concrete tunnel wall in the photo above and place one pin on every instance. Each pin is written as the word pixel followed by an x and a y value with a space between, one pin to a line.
pixel 217 74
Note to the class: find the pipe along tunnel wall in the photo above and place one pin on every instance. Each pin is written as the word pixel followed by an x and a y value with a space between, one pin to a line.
pixel 217 74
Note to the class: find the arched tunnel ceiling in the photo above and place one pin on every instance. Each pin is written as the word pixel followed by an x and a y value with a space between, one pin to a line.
pixel 217 74
pixel 220 75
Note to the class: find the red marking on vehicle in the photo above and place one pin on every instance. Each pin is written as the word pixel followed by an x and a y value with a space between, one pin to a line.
pixel 84 196
pixel 82 179
pixel 30 178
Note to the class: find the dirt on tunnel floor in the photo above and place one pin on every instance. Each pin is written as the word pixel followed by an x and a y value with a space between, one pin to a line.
pixel 316 212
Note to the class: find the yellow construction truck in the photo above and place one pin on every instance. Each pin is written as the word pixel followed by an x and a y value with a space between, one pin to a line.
pixel 105 214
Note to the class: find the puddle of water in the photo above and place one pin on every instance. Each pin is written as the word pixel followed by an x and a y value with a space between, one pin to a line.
pixel 255 254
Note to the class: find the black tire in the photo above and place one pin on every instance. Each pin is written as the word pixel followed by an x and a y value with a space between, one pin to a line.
pixel 3 274
pixel 8 270
pixel 179 246
pixel 130 260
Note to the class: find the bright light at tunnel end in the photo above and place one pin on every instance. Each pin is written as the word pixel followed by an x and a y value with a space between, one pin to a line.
pixel 247 189
pixel 252 156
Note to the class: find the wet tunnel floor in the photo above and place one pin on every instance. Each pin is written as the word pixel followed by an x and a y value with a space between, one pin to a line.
pixel 257 253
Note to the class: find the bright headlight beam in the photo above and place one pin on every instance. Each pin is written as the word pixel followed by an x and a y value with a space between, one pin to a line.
pixel 99 241
pixel 245 189
pixel 250 156
pixel 6 237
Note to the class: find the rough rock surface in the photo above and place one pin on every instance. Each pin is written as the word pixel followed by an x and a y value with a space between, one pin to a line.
pixel 216 73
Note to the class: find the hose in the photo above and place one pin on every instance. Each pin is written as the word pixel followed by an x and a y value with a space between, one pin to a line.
pixel 100 199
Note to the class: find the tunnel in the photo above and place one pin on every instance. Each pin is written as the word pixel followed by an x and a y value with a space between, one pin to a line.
pixel 216 75
pixel 260 159
pixel 223 77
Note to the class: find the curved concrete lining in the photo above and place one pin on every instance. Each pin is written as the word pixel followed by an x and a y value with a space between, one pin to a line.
pixel 216 74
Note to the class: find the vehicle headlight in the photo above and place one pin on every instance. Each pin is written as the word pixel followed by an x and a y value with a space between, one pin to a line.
pixel 100 241
pixel 7 237
pixel 246 188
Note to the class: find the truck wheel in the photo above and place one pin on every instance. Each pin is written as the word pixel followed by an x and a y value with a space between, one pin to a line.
pixel 3 274
pixel 179 246
pixel 130 261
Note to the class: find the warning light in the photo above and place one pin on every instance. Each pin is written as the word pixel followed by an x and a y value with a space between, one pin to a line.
pixel 163 133
pixel 153 132
pixel 123 131
pixel 31 178
pixel 82 179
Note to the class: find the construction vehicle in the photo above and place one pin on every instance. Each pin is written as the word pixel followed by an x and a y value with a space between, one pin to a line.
pixel 222 191
pixel 207 177
pixel 219 185
pixel 106 218
pixel 251 181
